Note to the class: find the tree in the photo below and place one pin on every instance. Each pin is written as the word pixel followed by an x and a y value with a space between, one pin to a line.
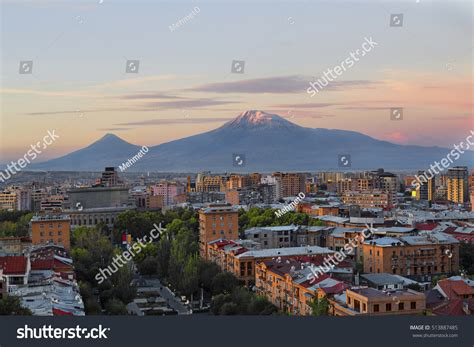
pixel 224 282
pixel 190 282
pixel 466 257
pixel 115 307
pixel 11 306
pixel 148 267
pixel 320 307
pixel 208 270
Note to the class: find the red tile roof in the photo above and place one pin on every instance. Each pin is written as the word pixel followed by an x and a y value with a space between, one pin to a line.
pixel 13 265
pixel 455 289
pixel 426 226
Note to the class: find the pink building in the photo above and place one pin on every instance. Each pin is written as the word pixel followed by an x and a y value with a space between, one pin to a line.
pixel 169 190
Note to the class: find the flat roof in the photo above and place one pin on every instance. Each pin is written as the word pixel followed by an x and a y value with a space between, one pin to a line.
pixel 287 251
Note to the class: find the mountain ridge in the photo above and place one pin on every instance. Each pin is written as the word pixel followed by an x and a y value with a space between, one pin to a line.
pixel 267 141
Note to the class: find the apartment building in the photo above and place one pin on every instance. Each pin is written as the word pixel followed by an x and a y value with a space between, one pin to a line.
pixel 291 183
pixel 8 200
pixel 457 183
pixel 240 257
pixel 370 301
pixel 422 255
pixel 168 190
pixel 51 228
pixel 367 198
pixel 217 221
pixel 285 283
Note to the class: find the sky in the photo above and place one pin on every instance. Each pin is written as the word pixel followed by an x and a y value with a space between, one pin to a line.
pixel 184 86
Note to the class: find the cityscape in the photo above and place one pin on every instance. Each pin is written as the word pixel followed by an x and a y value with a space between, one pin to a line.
pixel 341 243
pixel 199 173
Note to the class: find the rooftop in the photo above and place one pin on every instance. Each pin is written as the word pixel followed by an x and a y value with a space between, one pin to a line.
pixel 282 252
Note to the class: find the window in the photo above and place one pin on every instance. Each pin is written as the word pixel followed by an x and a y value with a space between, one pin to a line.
pixel 388 307
pixel 364 307
pixel 370 251
pixel 42 233
pixel 60 232
pixel 378 253
pixel 349 300
pixel 401 306
pixel 376 308
pixel 50 233
pixel 413 305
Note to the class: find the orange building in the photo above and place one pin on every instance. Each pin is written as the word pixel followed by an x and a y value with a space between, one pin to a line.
pixel 285 283
pixel 232 197
pixel 215 222
pixel 318 210
pixel 426 254
pixel 240 257
pixel 55 229
pixel 370 301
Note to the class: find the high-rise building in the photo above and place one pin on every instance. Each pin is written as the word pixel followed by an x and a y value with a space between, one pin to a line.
pixel 425 190
pixel 110 178
pixel 169 191
pixel 457 182
pixel 291 183
pixel 8 200
pixel 217 221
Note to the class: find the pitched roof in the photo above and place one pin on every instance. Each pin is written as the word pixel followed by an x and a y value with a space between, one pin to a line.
pixel 13 265
pixel 455 289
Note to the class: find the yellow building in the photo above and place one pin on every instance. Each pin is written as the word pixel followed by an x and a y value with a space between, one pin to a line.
pixel 457 183
pixel 8 200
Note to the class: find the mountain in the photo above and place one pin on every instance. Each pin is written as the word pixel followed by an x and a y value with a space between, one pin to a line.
pixel 107 151
pixel 267 142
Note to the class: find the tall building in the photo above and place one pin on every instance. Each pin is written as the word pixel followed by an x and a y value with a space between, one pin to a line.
pixel 8 200
pixel 169 191
pixel 291 183
pixel 217 221
pixel 457 182
pixel 426 191
pixel 110 178
pixel 387 182
pixel 53 228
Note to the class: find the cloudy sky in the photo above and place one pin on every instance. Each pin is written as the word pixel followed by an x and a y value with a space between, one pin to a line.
pixel 184 83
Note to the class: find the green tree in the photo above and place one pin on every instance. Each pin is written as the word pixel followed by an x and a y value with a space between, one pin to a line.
pixel 115 307
pixel 466 257
pixel 11 306
pixel 320 307
pixel 224 282
pixel 149 266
